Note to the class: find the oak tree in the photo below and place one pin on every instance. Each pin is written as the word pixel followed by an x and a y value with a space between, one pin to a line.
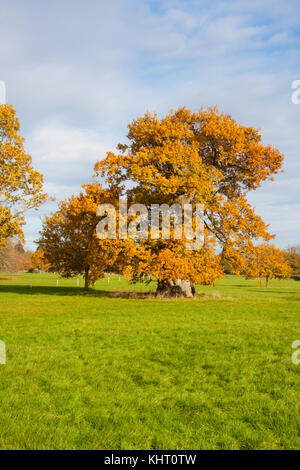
pixel 205 158
pixel 20 185
pixel 69 240
pixel 265 262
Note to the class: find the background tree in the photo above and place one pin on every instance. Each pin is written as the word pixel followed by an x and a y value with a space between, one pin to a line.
pixel 266 262
pixel 38 261
pixel 69 240
pixel 14 258
pixel 204 157
pixel 292 256
pixel 20 184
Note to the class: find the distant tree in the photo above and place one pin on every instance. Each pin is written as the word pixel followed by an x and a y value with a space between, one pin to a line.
pixel 20 185
pixel 293 249
pixel 265 261
pixel 38 261
pixel 13 260
pixel 69 240
pixel 8 260
pixel 19 247
pixel 292 256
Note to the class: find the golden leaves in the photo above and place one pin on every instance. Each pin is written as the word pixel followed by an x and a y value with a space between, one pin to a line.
pixel 68 237
pixel 20 185
pixel 206 157
pixel 265 261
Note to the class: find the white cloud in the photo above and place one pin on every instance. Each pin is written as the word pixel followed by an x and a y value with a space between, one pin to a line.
pixel 66 155
pixel 78 75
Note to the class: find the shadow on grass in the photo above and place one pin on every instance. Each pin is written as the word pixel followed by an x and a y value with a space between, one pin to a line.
pixel 51 290
pixel 93 292
pixel 280 291
pixel 73 291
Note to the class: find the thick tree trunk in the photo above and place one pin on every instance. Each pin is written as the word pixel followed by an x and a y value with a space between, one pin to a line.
pixel 178 288
pixel 267 281
pixel 86 279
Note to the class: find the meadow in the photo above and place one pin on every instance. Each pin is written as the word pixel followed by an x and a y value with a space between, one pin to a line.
pixel 95 370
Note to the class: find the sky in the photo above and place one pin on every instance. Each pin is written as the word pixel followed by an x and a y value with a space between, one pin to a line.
pixel 78 72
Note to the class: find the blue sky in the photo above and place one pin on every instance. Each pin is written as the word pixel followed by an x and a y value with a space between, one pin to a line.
pixel 78 72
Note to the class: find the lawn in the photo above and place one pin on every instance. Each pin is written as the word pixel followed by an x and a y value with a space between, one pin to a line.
pixel 91 371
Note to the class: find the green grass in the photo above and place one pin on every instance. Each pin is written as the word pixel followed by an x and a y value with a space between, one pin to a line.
pixel 85 370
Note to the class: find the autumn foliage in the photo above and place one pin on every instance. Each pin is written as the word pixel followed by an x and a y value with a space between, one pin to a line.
pixel 69 241
pixel 292 257
pixel 38 261
pixel 183 158
pixel 14 258
pixel 204 157
pixel 263 262
pixel 20 185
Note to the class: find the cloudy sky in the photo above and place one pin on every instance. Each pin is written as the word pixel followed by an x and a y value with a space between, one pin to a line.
pixel 77 72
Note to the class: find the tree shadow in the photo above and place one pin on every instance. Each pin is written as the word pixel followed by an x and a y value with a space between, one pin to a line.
pixel 69 291
pixel 73 291
pixel 280 291
pixel 51 290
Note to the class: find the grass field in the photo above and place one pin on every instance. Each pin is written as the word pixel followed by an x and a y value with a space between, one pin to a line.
pixel 85 370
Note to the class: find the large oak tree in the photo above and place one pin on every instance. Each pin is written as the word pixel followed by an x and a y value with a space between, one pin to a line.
pixel 204 157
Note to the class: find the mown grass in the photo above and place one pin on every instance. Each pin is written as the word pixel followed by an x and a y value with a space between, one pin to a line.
pixel 85 370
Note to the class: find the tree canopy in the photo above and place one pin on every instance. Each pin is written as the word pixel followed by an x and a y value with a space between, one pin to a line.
pixel 20 185
pixel 69 241
pixel 265 262
pixel 205 157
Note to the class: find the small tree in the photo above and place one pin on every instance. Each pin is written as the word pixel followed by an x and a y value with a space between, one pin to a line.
pixel 69 240
pixel 266 261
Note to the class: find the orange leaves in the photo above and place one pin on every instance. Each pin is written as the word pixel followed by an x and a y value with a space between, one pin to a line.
pixel 203 157
pixel 172 262
pixel 38 260
pixel 266 261
pixel 292 257
pixel 20 185
pixel 236 150
pixel 68 237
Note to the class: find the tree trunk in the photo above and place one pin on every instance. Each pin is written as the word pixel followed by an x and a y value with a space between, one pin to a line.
pixel 267 281
pixel 178 288
pixel 86 278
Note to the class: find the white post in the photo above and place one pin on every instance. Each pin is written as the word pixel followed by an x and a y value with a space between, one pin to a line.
pixel 2 353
